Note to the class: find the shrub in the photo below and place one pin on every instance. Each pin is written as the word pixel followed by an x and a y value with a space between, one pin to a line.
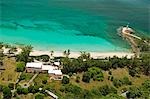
pixel 44 81
pixel 78 79
pixel 33 89
pixel 20 66
pixel 105 90
pixel 1 88
pixel 110 73
pixel 72 89
pixel 117 83
pixel 7 93
pixel 22 77
pixel 11 86
pixel 99 77
pixel 133 92
pixel 86 77
pixel 25 91
pixel 126 81
pixel 39 96
pixel 65 80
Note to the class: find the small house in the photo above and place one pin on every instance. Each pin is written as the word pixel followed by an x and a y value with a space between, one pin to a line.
pixel 55 74
pixel 52 70
pixel 33 67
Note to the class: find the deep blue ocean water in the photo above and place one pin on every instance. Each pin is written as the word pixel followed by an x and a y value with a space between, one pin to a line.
pixel 79 25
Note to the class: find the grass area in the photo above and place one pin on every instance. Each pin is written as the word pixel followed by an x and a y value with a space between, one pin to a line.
pixel 28 96
pixel 28 76
pixel 9 75
pixel 92 83
pixel 50 83
pixel 40 78
pixel 122 72
pixel 116 73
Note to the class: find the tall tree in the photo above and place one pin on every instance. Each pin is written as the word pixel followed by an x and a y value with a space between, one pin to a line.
pixel 7 93
pixel 24 55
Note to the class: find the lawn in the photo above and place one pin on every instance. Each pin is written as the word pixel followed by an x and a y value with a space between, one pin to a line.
pixel 40 78
pixel 9 74
pixel 28 76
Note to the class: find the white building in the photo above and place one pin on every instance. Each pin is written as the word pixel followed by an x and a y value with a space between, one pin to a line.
pixel 33 67
pixel 53 71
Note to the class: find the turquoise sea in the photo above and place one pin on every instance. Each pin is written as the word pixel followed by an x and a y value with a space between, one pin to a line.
pixel 78 25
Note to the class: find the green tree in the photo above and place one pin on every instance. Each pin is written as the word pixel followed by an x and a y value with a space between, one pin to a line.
pixel 33 89
pixel 1 45
pixel 22 77
pixel 74 89
pixel 86 77
pixel 86 94
pixel 133 92
pixel 145 89
pixel 11 86
pixel 20 66
pixel 39 96
pixel 44 81
pixel 24 55
pixel 117 83
pixel 126 81
pixel 146 64
pixel 78 79
pixel 105 90
pixel 65 80
pixel 113 96
pixel 94 71
pixel 7 93
pixel 45 58
pixel 84 55
pixel 1 88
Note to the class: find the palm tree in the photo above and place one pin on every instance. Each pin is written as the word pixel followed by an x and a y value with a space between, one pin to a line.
pixel 24 55
pixel 52 52
pixel 65 53
pixel 1 45
pixel 68 52
pixel 84 55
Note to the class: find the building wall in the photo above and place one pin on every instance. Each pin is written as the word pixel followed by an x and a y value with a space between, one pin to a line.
pixel 56 77
pixel 32 70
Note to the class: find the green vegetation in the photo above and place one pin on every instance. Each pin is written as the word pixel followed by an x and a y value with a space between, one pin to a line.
pixel 20 66
pixel 7 93
pixel 88 78
pixel 11 86
pixel 65 80
pixel 144 44
pixel 24 55
pixel 135 66
pixel 25 76
pixel 39 96
pixel 44 58
pixel 22 90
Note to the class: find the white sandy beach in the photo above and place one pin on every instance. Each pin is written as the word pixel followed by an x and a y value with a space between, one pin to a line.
pixel 77 54
pixel 94 55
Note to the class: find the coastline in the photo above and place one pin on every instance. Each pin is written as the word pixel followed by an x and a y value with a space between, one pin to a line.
pixel 94 55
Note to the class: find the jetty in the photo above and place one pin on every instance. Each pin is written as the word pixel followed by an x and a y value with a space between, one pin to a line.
pixel 128 34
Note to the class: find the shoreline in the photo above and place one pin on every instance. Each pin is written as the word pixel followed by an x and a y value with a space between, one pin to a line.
pixel 73 54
